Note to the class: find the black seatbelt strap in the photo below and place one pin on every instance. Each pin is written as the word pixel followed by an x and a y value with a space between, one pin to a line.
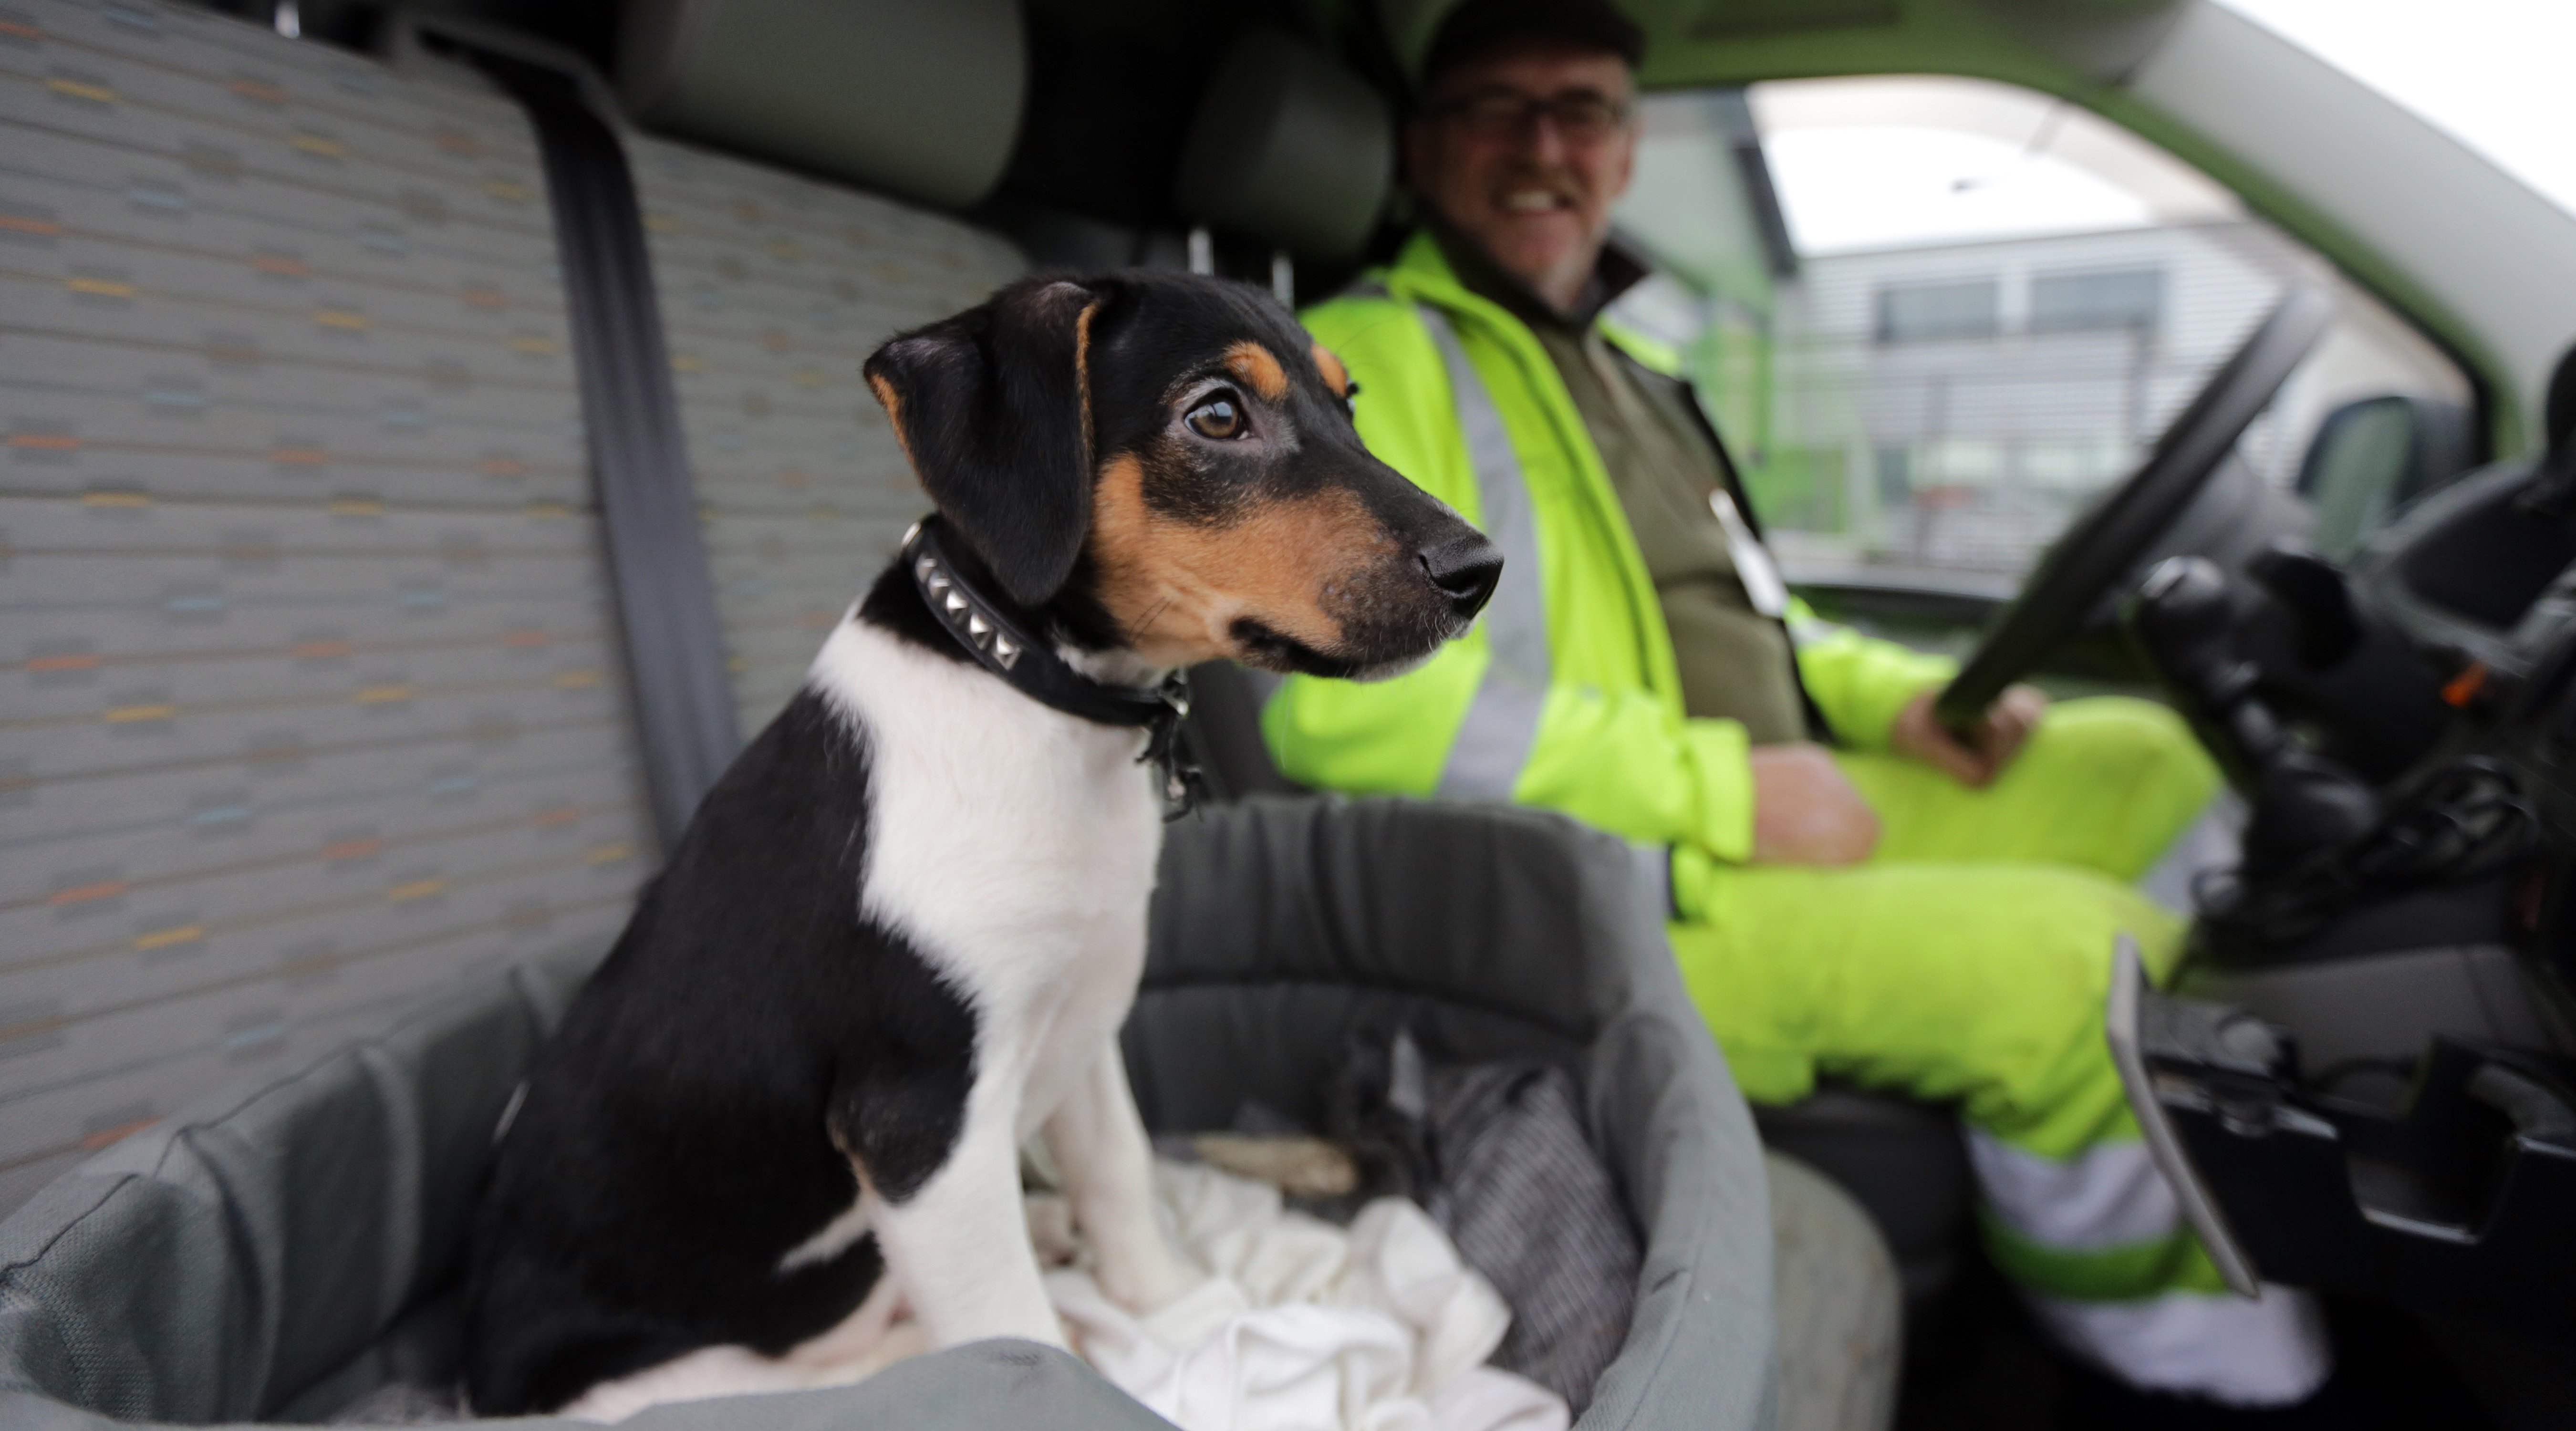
pixel 639 462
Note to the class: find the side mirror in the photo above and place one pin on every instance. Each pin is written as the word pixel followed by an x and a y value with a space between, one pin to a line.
pixel 2373 456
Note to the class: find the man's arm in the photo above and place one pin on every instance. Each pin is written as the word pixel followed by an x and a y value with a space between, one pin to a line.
pixel 1618 760
pixel 1860 683
pixel 1877 695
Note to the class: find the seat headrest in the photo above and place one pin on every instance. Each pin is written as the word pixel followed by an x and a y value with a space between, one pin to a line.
pixel 1288 147
pixel 919 98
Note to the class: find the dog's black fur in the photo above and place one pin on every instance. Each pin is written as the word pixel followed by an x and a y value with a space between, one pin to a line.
pixel 756 1039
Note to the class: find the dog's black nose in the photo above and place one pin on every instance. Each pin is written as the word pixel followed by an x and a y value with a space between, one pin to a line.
pixel 1465 569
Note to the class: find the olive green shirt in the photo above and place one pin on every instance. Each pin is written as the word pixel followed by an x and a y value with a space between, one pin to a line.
pixel 1735 663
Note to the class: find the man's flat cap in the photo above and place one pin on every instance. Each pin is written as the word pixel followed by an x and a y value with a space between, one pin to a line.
pixel 1481 25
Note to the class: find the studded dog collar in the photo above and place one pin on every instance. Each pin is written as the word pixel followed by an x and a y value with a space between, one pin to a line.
pixel 1007 640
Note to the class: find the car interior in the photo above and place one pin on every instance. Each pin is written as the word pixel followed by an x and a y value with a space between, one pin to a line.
pixel 436 441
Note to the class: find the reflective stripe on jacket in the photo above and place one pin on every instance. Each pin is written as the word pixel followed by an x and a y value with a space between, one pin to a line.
pixel 1565 695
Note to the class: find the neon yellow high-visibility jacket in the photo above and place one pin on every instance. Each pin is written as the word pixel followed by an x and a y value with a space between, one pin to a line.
pixel 1565 695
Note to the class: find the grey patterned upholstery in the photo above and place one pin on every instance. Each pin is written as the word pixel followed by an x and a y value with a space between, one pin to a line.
pixel 308 691
pixel 309 698
pixel 774 289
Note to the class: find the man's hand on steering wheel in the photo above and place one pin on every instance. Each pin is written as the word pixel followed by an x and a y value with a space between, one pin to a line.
pixel 1983 752
pixel 2089 562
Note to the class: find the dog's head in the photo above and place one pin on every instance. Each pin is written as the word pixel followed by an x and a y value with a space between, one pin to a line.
pixel 1166 464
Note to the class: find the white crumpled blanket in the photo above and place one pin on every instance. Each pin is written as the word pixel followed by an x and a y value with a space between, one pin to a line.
pixel 1298 1326
pixel 1301 1325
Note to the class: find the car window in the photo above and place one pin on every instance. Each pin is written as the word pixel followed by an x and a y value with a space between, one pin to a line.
pixel 1933 317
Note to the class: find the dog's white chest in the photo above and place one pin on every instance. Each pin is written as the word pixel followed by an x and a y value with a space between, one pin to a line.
pixel 1015 844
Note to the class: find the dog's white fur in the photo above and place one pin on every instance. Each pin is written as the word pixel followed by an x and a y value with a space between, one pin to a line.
pixel 1015 846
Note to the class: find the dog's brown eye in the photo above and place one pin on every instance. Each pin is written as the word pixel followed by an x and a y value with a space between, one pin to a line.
pixel 1218 418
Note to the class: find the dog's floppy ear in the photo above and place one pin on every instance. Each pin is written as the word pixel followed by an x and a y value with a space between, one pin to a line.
pixel 993 407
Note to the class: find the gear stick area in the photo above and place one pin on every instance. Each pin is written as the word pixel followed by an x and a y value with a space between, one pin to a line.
pixel 2187 619
pixel 2351 1070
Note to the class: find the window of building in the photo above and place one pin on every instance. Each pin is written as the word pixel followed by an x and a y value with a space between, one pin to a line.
pixel 1927 312
pixel 2128 299
pixel 2081 466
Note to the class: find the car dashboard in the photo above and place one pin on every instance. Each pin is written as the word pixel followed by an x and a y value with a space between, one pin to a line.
pixel 2365 1069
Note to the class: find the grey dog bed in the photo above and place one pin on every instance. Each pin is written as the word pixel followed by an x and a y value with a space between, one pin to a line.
pixel 283 1250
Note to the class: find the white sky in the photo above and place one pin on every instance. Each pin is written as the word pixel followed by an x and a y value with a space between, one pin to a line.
pixel 1873 186
pixel 2494 73
pixel 1891 162
pixel 1887 161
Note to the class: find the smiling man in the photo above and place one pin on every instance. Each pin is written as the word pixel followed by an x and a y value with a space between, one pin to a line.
pixel 1856 891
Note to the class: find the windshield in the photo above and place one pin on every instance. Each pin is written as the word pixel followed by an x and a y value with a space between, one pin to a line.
pixel 1935 317
pixel 2490 73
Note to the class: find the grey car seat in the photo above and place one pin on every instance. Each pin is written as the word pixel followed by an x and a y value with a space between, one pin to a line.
pixel 277 1252
pixel 1903 1161
pixel 316 701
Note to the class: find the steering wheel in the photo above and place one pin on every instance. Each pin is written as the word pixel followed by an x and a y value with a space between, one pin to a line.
pixel 2107 542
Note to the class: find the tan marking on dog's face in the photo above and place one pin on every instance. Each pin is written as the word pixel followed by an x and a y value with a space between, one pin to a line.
pixel 1259 369
pixel 893 403
pixel 1177 587
pixel 1336 377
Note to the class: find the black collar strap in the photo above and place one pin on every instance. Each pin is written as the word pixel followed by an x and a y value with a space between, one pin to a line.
pixel 1006 639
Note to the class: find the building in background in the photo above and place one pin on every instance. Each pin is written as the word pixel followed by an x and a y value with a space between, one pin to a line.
pixel 1945 409
pixel 1935 317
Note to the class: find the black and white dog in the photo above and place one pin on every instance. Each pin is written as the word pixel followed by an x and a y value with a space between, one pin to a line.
pixel 901 933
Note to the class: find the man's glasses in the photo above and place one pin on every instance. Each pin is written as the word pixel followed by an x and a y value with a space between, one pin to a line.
pixel 1580 117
